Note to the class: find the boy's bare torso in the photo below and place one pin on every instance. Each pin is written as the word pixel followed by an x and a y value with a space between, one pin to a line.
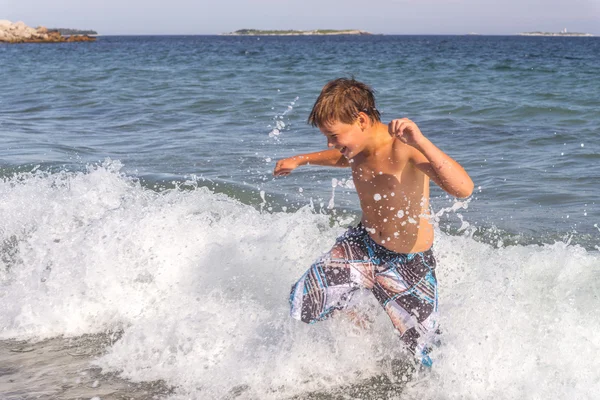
pixel 394 198
pixel 392 166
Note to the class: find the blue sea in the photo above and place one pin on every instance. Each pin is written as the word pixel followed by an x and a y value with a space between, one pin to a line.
pixel 146 250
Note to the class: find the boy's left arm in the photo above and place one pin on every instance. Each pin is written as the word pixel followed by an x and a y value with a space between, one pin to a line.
pixel 443 170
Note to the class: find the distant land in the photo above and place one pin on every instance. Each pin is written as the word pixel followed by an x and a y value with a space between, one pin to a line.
pixel 68 31
pixel 561 33
pixel 291 32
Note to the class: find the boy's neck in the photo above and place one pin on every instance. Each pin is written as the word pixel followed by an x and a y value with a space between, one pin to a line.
pixel 379 138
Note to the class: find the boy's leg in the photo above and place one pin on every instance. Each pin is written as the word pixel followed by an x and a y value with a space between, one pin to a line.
pixel 330 282
pixel 408 293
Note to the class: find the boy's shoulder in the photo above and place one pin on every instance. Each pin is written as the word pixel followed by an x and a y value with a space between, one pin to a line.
pixel 399 153
pixel 394 148
pixel 393 158
pixel 391 155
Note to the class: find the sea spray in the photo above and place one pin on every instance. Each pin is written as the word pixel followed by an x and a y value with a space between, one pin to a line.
pixel 198 285
pixel 280 124
pixel 517 322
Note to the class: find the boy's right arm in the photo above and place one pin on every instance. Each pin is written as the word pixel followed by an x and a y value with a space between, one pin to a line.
pixel 328 158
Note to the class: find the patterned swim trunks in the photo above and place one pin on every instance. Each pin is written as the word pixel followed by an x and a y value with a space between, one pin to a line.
pixel 404 284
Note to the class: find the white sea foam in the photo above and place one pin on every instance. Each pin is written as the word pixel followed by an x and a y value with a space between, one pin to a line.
pixel 199 284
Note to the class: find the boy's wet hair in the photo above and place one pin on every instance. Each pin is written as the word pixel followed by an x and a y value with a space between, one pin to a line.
pixel 341 100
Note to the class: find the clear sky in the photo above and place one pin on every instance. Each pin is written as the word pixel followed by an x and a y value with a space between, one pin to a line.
pixel 111 17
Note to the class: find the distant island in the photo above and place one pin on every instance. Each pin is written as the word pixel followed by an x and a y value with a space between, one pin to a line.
pixel 69 32
pixel 292 32
pixel 561 33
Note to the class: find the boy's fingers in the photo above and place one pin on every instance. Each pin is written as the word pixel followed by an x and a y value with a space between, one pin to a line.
pixel 393 127
pixel 397 127
pixel 400 131
pixel 401 126
pixel 281 172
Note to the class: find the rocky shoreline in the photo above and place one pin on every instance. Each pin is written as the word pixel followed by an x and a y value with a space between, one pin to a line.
pixel 19 32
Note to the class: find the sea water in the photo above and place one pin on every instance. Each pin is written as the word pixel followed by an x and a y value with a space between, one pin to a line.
pixel 147 251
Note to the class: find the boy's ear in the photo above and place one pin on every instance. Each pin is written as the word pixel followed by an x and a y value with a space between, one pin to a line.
pixel 363 120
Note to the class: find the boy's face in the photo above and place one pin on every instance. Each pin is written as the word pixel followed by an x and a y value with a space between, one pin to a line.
pixel 347 138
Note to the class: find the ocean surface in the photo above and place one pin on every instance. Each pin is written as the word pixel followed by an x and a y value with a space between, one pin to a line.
pixel 146 250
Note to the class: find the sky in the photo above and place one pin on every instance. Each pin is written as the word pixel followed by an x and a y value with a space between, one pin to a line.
pixel 128 17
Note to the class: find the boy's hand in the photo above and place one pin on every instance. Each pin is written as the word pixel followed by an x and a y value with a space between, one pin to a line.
pixel 406 131
pixel 285 166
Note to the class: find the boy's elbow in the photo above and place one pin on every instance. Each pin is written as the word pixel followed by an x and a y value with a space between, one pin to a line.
pixel 466 190
pixel 462 190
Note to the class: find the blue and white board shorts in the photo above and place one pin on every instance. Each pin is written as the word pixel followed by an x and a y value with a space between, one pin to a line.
pixel 404 284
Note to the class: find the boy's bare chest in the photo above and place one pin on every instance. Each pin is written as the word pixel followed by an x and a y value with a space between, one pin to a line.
pixel 377 174
pixel 376 181
pixel 385 182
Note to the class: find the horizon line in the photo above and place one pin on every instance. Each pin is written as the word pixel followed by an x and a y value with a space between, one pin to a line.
pixel 371 34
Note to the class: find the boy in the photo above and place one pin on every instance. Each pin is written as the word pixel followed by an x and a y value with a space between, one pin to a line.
pixel 389 252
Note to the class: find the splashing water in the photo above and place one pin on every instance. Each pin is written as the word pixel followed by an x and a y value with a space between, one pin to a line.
pixel 279 124
pixel 198 284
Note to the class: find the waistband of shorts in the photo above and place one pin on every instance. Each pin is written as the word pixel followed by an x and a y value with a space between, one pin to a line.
pixel 379 249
